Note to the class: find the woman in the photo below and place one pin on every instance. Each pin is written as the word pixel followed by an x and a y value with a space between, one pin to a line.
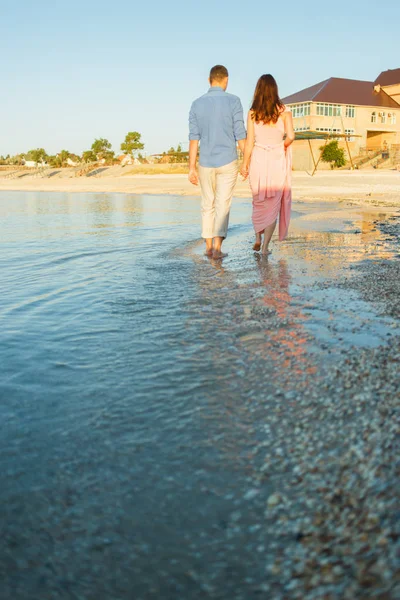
pixel 268 161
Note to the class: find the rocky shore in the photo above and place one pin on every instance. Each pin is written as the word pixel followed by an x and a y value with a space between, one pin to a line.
pixel 338 512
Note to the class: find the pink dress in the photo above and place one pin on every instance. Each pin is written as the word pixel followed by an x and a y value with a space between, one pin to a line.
pixel 271 178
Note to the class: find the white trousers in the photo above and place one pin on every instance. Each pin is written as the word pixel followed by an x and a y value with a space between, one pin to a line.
pixel 217 186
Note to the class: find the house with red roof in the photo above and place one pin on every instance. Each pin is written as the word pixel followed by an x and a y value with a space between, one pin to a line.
pixel 366 112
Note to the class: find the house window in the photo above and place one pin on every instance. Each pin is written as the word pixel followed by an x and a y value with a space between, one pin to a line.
pixel 373 117
pixel 300 110
pixel 383 117
pixel 393 119
pixel 349 136
pixel 329 130
pixel 329 110
pixel 350 112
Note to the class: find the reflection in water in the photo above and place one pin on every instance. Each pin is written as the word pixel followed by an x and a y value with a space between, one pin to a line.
pixel 117 210
pixel 215 323
pixel 52 215
pixel 287 345
pixel 256 328
pixel 340 241
pixel 250 341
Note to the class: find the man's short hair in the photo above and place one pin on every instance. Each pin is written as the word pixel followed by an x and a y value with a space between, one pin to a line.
pixel 218 73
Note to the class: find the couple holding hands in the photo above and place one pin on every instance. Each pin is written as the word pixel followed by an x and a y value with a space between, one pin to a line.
pixel 216 122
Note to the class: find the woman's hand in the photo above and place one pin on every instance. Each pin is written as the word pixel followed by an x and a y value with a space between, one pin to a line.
pixel 244 171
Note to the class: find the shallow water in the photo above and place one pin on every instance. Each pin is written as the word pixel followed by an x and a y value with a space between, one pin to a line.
pixel 134 372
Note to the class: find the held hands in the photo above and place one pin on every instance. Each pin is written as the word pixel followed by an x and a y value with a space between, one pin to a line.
pixel 244 171
pixel 193 177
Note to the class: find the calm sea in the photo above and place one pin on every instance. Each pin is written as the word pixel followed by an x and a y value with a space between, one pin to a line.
pixel 135 375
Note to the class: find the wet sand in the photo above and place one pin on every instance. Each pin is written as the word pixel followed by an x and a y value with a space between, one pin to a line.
pixel 379 188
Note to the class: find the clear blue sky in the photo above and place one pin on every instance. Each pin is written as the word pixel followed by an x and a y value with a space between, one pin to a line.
pixel 75 70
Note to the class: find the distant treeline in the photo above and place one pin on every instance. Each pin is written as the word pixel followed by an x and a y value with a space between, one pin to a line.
pixel 101 150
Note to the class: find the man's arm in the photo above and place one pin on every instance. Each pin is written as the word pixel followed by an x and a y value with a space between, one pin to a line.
pixel 238 124
pixel 242 145
pixel 194 137
pixel 193 149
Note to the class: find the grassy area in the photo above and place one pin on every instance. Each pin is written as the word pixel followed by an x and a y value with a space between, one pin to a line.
pixel 167 169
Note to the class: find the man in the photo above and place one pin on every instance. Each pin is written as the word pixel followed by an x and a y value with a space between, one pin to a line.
pixel 216 121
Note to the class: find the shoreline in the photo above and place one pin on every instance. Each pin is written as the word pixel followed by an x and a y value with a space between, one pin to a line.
pixel 365 188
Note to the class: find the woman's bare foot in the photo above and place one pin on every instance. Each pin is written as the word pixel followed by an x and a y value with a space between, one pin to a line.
pixel 218 254
pixel 208 252
pixel 257 244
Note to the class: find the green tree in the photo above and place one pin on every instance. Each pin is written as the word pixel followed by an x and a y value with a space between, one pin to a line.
pixel 38 155
pixel 89 156
pixel 63 157
pixel 177 156
pixel 18 159
pixel 331 153
pixel 171 154
pixel 132 143
pixel 54 160
pixel 60 159
pixel 100 147
pixel 181 157
pixel 109 157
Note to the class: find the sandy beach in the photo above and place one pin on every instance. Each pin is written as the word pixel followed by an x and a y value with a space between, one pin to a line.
pixel 369 187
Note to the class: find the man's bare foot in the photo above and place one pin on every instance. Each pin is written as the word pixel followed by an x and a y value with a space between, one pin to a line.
pixel 218 254
pixel 209 246
pixel 266 251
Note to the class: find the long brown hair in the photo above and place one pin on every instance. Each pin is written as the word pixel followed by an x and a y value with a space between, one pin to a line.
pixel 267 106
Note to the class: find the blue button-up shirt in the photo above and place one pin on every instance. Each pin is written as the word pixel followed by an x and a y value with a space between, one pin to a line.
pixel 216 119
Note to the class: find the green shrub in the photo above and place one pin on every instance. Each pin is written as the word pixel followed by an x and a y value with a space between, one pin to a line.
pixel 331 153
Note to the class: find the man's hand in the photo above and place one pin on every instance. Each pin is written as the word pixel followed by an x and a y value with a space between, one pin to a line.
pixel 193 177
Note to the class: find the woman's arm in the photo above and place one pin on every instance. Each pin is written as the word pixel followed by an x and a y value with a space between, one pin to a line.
pixel 248 149
pixel 288 129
